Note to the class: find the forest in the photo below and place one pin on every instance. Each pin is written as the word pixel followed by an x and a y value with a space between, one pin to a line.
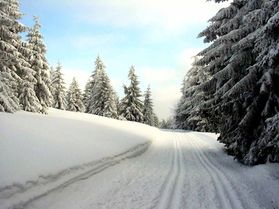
pixel 232 88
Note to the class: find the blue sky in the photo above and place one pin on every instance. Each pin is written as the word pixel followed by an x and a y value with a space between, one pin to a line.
pixel 158 37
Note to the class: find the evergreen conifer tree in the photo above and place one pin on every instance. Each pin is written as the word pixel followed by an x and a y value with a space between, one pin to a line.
pixel 91 86
pixel 148 114
pixel 101 100
pixel 74 98
pixel 86 95
pixel 39 64
pixel 117 101
pixel 131 105
pixel 187 113
pixel 11 58
pixel 58 89
pixel 242 94
pixel 27 96
pixel 156 121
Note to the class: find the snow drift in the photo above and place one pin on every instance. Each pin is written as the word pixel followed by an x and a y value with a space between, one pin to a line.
pixel 34 145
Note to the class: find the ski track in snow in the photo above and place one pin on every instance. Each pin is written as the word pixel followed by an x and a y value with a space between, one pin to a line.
pixel 225 192
pixel 63 179
pixel 178 171
pixel 171 190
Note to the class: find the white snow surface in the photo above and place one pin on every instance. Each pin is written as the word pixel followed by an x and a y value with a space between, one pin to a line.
pixel 34 144
pixel 178 170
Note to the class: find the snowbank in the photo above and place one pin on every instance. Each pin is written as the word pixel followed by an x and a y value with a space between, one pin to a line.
pixel 33 144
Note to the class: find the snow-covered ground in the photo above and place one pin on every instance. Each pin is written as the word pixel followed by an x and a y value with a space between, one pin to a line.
pixel 178 170
pixel 37 148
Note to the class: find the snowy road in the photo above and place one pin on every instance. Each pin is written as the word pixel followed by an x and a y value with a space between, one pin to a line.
pixel 179 170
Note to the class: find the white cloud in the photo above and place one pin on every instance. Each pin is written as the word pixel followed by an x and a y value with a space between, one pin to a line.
pixel 163 75
pixel 165 100
pixel 186 57
pixel 81 76
pixel 169 15
pixel 117 85
pixel 165 91
pixel 166 82
pixel 93 41
pixel 158 76
pixel 82 42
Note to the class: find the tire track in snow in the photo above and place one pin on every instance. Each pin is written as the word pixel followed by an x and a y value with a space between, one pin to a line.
pixel 225 192
pixel 172 187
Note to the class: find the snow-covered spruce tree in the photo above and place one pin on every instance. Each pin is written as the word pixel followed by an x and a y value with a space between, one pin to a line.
pixel 226 66
pixel 187 112
pixel 39 64
pixel 86 95
pixel 110 105
pixel 74 98
pixel 117 101
pixel 17 78
pixel 90 88
pixel 242 92
pixel 131 105
pixel 51 75
pixel 102 100
pixel 27 96
pixel 215 58
pixel 156 120
pixel 148 114
pixel 11 60
pixel 58 89
pixel 167 124
pixel 264 109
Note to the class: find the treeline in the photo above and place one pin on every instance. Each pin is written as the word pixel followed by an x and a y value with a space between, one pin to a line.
pixel 27 83
pixel 233 86
pixel 99 97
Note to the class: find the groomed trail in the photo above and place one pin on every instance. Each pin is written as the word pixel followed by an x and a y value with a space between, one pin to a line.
pixel 179 170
